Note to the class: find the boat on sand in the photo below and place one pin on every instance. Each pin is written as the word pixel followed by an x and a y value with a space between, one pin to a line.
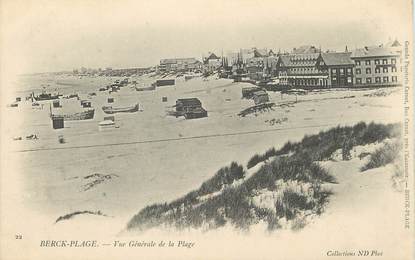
pixel 113 110
pixel 79 115
pixel 83 115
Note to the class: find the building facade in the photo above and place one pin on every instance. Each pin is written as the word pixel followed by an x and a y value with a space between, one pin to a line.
pixel 179 64
pixel 314 70
pixel 339 66
pixel 212 63
pixel 302 70
pixel 255 68
pixel 377 66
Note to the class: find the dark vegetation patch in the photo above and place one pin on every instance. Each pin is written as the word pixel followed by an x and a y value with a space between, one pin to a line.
pixel 73 214
pixel 234 204
pixel 383 156
pixel 322 145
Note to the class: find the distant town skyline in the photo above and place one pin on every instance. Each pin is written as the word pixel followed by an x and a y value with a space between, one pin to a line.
pixel 44 36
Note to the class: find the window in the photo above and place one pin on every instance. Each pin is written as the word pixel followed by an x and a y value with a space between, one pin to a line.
pixel 358 63
pixel 394 79
pixel 377 70
pixel 393 61
pixel 367 62
pixel 377 62
pixel 384 61
pixel 341 71
pixel 334 79
pixel 333 71
pixel 358 81
pixel 368 80
pixel 393 69
pixel 368 71
pixel 349 71
pixel 349 79
pixel 358 71
pixel 377 79
pixel 385 79
pixel 385 69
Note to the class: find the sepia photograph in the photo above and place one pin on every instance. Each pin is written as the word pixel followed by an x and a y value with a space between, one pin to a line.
pixel 178 129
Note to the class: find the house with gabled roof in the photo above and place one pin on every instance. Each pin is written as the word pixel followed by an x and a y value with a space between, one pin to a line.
pixel 302 70
pixel 260 53
pixel 315 70
pixel 178 64
pixel 340 68
pixel 212 62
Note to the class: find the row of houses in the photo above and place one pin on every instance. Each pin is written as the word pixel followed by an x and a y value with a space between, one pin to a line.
pixel 208 64
pixel 179 65
pixel 308 67
pixel 122 72
pixel 305 66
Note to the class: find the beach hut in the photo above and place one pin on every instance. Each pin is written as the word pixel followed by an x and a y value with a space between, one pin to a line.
pixel 260 97
pixel 248 92
pixel 196 113
pixel 57 122
pixel 187 104
pixel 165 82
pixel 190 108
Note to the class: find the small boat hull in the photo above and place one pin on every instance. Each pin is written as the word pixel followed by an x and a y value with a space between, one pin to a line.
pixel 84 115
pixel 106 124
pixel 113 110
pixel 44 97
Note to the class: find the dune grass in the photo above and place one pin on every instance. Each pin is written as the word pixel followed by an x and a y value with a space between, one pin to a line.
pixel 383 156
pixel 233 204
pixel 322 145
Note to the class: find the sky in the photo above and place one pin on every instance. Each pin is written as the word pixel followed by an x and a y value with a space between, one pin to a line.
pixel 42 36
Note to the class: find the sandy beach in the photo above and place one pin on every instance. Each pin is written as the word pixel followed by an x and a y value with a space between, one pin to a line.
pixel 154 158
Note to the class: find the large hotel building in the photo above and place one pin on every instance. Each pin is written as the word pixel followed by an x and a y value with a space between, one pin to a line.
pixel 377 66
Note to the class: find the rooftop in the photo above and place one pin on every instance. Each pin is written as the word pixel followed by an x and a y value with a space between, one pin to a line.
pixel 373 52
pixel 178 60
pixel 188 101
pixel 305 49
pixel 337 58
pixel 294 60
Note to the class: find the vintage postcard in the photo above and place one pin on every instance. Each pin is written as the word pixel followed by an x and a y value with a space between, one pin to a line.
pixel 179 129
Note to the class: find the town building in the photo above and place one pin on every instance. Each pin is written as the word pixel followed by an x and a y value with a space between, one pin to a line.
pixel 301 70
pixel 339 66
pixel 377 65
pixel 179 65
pixel 255 68
pixel 212 62
pixel 245 54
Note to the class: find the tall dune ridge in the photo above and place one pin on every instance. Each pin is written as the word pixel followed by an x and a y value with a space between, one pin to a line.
pixel 290 186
